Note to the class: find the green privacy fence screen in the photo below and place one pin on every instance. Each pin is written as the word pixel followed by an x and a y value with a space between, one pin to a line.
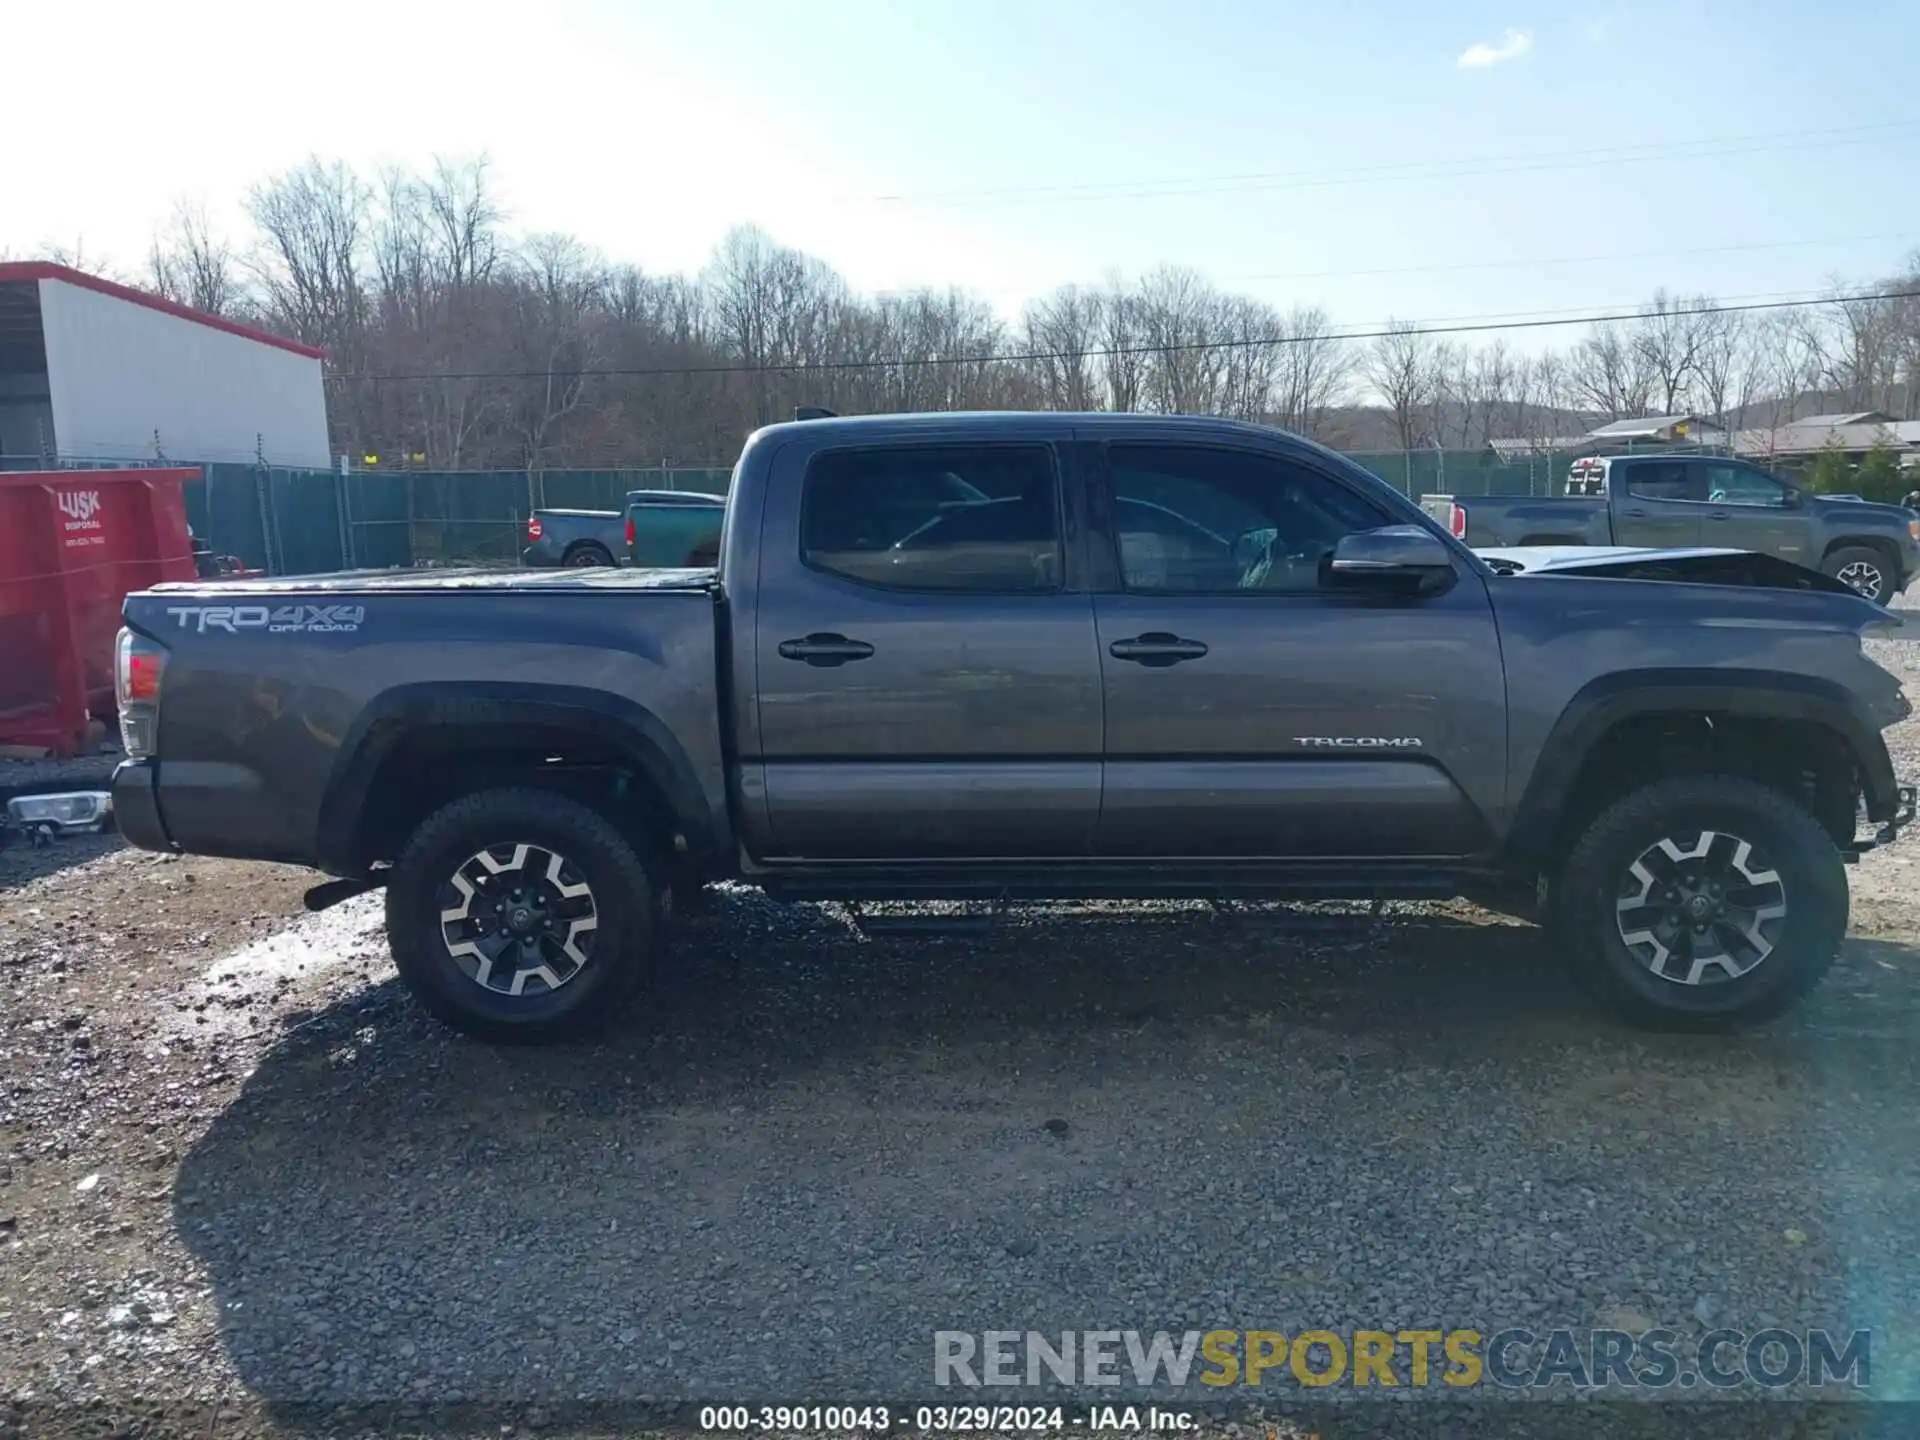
pixel 292 522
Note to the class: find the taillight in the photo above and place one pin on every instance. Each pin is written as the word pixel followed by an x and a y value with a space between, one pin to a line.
pixel 629 530
pixel 138 665
pixel 1457 521
pixel 533 527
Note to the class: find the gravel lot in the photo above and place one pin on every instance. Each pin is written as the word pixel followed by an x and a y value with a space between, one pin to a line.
pixel 239 1170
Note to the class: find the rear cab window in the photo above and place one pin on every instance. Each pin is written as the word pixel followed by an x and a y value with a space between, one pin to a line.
pixel 982 518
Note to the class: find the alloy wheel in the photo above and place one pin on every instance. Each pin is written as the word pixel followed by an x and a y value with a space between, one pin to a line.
pixel 518 919
pixel 1862 575
pixel 1701 908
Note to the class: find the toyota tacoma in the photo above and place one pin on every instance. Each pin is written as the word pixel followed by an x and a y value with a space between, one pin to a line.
pixel 1007 657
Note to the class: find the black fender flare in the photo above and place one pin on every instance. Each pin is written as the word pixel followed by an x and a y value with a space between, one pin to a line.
pixel 1757 694
pixel 406 709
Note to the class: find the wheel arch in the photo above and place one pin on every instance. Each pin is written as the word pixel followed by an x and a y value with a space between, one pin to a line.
pixel 497 719
pixel 1879 544
pixel 1611 706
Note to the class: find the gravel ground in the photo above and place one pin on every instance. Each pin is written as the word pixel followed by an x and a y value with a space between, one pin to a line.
pixel 238 1169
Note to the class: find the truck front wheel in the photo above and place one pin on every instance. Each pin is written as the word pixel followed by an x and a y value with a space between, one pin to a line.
pixel 1865 569
pixel 1701 901
pixel 521 916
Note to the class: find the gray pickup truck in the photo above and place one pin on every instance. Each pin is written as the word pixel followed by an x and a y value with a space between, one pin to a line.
pixel 1012 657
pixel 575 539
pixel 1680 500
pixel 657 528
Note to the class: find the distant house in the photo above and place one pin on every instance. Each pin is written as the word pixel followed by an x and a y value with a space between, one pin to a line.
pixel 1517 451
pixel 1854 434
pixel 1645 432
pixel 1659 430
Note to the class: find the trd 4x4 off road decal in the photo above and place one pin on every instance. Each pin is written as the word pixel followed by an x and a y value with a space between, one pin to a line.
pixel 275 619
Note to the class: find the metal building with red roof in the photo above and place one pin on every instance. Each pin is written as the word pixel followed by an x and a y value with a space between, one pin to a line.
pixel 95 370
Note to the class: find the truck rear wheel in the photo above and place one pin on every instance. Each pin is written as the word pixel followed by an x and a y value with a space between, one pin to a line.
pixel 521 916
pixel 1701 901
pixel 1865 569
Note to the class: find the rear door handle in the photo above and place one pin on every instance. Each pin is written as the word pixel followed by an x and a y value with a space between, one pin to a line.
pixel 1156 648
pixel 1719 517
pixel 1636 514
pixel 825 650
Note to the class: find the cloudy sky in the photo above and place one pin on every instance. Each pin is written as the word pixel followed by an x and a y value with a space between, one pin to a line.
pixel 1392 157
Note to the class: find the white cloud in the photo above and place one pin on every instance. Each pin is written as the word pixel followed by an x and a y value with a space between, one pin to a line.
pixel 1512 46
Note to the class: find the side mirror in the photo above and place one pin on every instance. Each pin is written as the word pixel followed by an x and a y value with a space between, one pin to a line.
pixel 1789 499
pixel 1396 560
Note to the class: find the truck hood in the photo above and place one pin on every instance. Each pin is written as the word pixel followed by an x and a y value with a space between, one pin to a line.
pixel 1697 565
pixel 430 581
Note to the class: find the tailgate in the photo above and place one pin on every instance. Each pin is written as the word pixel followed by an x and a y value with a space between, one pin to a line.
pixel 1448 512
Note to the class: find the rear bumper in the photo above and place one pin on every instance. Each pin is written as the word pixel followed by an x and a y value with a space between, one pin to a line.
pixel 205 808
pixel 136 806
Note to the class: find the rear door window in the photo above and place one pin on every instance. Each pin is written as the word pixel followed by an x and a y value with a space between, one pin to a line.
pixel 980 518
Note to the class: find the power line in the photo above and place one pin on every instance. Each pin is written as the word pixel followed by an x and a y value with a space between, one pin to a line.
pixel 1391 172
pixel 1566 259
pixel 1104 352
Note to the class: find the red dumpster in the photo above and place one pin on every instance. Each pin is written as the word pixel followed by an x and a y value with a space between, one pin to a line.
pixel 72 544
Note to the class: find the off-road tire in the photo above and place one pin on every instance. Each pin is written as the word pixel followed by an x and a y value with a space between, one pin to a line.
pixel 621 891
pixel 586 556
pixel 1846 561
pixel 1585 924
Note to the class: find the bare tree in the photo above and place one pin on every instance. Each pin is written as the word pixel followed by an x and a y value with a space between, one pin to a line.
pixel 1489 383
pixel 1122 334
pixel 556 286
pixel 1864 364
pixel 313 223
pixel 1608 373
pixel 1062 331
pixel 1316 367
pixel 1399 365
pixel 465 218
pixel 1179 314
pixel 1666 345
pixel 190 265
pixel 1254 363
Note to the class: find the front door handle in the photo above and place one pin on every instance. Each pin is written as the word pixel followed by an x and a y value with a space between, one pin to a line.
pixel 1720 517
pixel 1157 649
pixel 1636 514
pixel 825 650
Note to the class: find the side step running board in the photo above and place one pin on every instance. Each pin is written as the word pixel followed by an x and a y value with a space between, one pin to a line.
pixel 983 922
